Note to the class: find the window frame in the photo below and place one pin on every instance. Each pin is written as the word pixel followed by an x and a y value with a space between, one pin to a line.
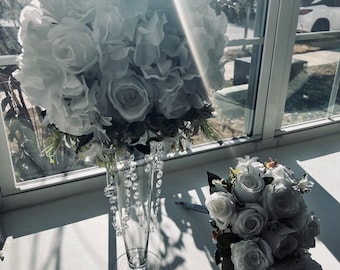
pixel 270 100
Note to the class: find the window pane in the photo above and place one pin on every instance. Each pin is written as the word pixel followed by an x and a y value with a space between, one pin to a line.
pixel 313 92
pixel 27 137
pixel 319 15
pixel 241 14
pixel 9 14
pixel 235 101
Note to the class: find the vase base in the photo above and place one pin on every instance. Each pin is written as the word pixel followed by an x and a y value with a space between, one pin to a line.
pixel 154 263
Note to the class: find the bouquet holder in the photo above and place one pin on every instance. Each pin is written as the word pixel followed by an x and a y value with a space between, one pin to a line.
pixel 133 189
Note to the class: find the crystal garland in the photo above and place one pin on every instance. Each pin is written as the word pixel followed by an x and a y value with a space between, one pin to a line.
pixel 153 164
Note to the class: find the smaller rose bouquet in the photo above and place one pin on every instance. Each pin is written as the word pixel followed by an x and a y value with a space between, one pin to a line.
pixel 260 218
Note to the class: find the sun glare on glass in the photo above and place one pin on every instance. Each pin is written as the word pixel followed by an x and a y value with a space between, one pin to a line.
pixel 182 11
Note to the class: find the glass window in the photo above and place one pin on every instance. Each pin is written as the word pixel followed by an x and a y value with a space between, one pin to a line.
pixel 252 105
pixel 314 81
pixel 23 122
pixel 27 137
pixel 319 15
pixel 235 102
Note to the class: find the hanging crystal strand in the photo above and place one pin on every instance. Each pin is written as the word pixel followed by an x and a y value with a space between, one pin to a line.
pixel 134 194
pixel 110 191
pixel 157 152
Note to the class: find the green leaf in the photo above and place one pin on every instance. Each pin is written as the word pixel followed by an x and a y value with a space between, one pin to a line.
pixel 268 180
pixel 224 240
pixel 10 115
pixel 211 177
pixel 5 102
pixel 227 264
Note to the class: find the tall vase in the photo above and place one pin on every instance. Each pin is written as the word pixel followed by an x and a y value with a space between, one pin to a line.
pixel 133 192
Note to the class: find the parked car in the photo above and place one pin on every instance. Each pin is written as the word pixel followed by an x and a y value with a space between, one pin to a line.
pixel 319 15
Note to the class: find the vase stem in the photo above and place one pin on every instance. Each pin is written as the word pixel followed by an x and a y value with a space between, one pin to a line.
pixel 134 194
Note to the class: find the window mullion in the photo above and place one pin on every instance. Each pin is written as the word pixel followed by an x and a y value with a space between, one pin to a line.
pixel 7 183
pixel 280 66
pixel 7 60
pixel 267 56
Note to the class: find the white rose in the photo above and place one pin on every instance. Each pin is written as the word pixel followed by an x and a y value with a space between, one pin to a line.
pixel 77 96
pixel 72 111
pixel 308 226
pixel 280 200
pixel 149 36
pixel 40 77
pixel 221 206
pixel 130 97
pixel 108 24
pixel 81 10
pixel 252 254
pixel 170 99
pixel 76 123
pixel 250 165
pixel 280 172
pixel 281 239
pixel 33 26
pixel 73 46
pixel 248 187
pixel 249 221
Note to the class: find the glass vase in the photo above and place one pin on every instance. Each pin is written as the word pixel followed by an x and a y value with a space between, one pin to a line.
pixel 133 189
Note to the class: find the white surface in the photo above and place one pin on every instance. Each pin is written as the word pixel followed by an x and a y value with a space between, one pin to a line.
pixel 73 233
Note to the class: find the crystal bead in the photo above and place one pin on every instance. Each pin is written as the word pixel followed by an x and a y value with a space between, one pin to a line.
pixel 133 166
pixel 147 168
pixel 135 186
pixel 128 183
pixel 159 174
pixel 159 183
pixel 109 191
pixel 133 177
pixel 136 195
pixel 113 200
pixel 139 214
pixel 157 201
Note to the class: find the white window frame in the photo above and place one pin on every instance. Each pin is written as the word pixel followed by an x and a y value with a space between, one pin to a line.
pixel 273 84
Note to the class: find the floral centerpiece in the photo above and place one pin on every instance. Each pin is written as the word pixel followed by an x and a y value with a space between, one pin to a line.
pixel 113 77
pixel 260 218
pixel 110 73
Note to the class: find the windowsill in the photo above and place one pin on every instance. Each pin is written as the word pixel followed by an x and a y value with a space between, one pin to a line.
pixel 72 233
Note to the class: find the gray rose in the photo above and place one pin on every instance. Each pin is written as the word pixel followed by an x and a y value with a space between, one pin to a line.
pixel 131 97
pixel 249 221
pixel 73 46
pixel 252 254
pixel 280 200
pixel 248 187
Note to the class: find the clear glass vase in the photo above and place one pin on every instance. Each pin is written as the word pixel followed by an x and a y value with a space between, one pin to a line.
pixel 133 192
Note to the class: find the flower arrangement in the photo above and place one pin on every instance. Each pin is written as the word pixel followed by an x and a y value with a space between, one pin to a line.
pixel 121 72
pixel 260 218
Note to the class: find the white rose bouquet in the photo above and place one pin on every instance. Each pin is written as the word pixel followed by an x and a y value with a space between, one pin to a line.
pixel 260 218
pixel 121 72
